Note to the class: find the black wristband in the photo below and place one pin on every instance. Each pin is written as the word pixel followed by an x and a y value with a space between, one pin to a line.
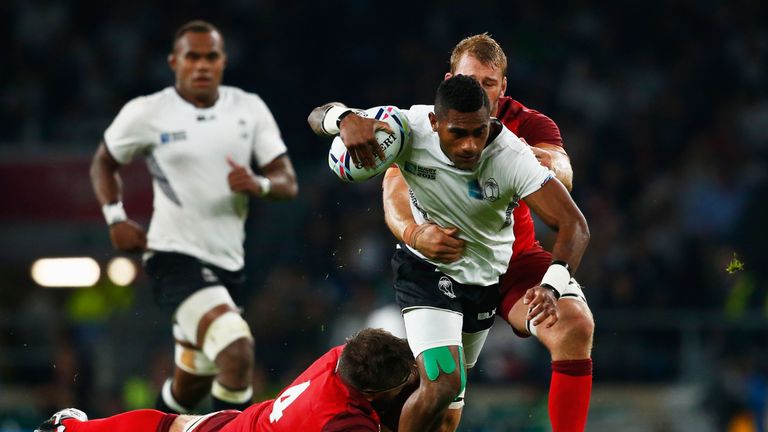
pixel 341 117
pixel 554 291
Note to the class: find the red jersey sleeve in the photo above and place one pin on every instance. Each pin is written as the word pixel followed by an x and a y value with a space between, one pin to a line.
pixel 538 128
pixel 529 124
pixel 351 422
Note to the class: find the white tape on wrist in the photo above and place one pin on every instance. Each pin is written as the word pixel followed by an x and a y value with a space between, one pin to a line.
pixel 557 277
pixel 331 119
pixel 265 185
pixel 114 213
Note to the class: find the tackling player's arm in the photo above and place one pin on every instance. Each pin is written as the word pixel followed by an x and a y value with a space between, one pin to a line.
pixel 554 205
pixel 556 159
pixel 432 241
pixel 543 135
pixel 278 181
pixel 358 133
pixel 126 235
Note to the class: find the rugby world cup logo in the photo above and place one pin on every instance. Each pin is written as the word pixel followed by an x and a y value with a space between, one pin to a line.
pixel 446 287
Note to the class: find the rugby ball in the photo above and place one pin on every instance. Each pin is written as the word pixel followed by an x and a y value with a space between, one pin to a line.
pixel 340 161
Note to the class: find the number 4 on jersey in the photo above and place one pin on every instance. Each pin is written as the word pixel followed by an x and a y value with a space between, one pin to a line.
pixel 284 400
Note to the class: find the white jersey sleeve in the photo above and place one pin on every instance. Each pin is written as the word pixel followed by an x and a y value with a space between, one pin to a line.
pixel 129 132
pixel 525 173
pixel 267 142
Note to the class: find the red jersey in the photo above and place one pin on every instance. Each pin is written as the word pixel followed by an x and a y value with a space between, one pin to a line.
pixel 535 128
pixel 317 401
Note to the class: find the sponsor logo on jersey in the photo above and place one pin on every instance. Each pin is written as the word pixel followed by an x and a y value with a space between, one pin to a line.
pixel 486 315
pixel 419 171
pixel 446 287
pixel 491 190
pixel 167 137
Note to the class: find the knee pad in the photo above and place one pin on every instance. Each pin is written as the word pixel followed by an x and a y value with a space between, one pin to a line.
pixel 193 361
pixel 192 310
pixel 225 329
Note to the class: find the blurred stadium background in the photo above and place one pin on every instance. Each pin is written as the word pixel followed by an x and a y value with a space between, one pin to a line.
pixel 663 107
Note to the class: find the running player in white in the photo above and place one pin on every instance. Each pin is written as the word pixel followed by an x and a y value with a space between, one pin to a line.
pixel 570 340
pixel 199 139
pixel 464 169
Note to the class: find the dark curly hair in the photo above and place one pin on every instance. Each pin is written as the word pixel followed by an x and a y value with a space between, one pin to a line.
pixel 374 360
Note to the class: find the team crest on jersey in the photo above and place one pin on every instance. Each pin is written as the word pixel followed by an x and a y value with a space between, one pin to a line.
pixel 446 287
pixel 491 190
pixel 167 137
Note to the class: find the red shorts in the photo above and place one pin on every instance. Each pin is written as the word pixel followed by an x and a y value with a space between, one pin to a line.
pixel 525 271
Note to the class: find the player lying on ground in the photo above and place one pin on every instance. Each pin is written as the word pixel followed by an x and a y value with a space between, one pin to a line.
pixel 358 386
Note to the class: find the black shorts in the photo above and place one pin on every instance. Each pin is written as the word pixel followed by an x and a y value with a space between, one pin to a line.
pixel 174 277
pixel 420 284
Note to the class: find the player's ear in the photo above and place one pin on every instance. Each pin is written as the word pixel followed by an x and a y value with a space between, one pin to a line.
pixel 433 121
pixel 172 61
pixel 503 86
pixel 448 75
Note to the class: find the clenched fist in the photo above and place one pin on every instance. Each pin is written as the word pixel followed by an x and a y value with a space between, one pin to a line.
pixel 128 236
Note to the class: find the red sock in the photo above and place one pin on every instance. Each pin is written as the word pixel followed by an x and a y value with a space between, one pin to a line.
pixel 146 420
pixel 569 395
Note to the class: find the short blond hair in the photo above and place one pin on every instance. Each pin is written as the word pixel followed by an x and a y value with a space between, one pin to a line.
pixel 484 48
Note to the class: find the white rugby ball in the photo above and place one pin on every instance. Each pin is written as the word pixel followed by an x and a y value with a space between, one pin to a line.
pixel 340 161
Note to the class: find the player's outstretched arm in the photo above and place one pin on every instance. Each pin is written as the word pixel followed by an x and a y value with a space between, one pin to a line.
pixel 358 133
pixel 555 158
pixel 126 235
pixel 432 241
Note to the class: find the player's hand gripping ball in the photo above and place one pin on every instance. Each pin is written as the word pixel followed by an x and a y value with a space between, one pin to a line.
pixel 340 161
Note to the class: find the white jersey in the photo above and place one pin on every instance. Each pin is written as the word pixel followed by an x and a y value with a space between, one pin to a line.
pixel 186 149
pixel 479 203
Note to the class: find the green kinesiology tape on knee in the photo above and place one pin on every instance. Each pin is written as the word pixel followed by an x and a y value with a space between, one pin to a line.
pixel 463 370
pixel 438 359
